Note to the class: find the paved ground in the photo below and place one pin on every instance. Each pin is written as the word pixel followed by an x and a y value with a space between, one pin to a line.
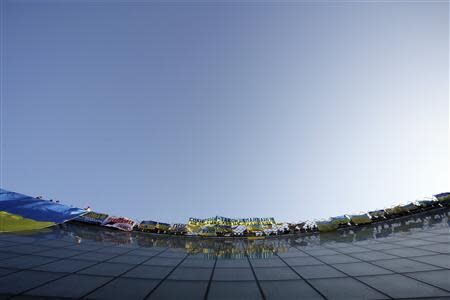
pixel 407 259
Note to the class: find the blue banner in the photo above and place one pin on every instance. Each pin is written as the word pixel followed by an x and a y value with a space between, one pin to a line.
pixel 22 212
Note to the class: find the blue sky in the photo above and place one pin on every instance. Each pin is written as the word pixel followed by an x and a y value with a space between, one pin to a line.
pixel 166 110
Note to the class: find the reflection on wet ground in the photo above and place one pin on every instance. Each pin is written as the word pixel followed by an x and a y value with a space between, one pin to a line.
pixel 235 248
pixel 401 259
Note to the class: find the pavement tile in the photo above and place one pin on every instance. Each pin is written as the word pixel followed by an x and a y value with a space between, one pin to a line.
pixel 345 288
pixel 245 290
pixel 124 288
pixel 71 286
pixel 399 286
pixel 189 290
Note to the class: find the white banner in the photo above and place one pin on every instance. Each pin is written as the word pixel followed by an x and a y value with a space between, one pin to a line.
pixel 121 223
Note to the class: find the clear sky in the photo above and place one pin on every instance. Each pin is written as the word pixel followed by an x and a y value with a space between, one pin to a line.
pixel 171 109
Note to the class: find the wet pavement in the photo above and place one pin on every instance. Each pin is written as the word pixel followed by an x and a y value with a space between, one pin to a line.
pixel 401 259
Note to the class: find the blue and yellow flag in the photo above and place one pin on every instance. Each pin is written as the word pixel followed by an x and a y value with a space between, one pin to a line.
pixel 20 212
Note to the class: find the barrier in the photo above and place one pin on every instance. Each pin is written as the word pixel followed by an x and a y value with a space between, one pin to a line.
pixel 22 212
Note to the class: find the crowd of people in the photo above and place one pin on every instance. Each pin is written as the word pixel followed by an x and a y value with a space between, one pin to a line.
pixel 260 227
pixel 258 248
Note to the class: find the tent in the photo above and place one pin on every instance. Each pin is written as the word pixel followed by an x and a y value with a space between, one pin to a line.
pixel 427 202
pixel 149 226
pixel 20 212
pixel 443 198
pixel 326 225
pixel 341 220
pixel 361 219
